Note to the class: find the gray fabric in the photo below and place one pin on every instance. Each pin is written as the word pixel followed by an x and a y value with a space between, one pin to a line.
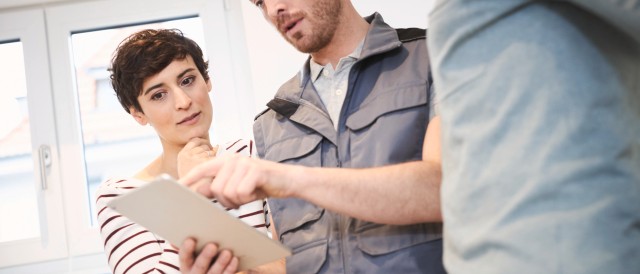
pixel 540 109
pixel 383 121
pixel 623 14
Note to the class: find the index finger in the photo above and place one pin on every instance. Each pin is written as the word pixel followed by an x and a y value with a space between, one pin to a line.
pixel 207 169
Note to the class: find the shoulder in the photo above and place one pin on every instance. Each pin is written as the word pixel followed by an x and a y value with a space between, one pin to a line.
pixel 113 187
pixel 121 183
pixel 260 114
pixel 411 34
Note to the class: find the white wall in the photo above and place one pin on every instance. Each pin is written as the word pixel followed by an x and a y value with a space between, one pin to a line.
pixel 273 61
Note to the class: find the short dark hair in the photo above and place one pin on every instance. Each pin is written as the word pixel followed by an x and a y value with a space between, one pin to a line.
pixel 146 53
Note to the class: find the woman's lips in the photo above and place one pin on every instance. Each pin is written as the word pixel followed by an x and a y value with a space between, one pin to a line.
pixel 191 119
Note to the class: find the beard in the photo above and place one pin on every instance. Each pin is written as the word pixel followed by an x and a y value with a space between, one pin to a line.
pixel 324 19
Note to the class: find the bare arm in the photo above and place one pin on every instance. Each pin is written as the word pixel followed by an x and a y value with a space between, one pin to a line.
pixel 396 194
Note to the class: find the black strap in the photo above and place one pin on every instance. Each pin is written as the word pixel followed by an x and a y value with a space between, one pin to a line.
pixel 411 34
pixel 283 107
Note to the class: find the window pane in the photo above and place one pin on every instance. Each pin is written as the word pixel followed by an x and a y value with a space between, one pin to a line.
pixel 114 144
pixel 18 199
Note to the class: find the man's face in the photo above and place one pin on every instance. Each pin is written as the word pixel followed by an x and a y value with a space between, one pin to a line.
pixel 309 25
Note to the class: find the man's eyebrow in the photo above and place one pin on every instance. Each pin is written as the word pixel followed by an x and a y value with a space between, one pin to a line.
pixel 159 85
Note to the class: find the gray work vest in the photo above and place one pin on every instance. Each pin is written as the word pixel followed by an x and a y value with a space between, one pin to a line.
pixel 383 121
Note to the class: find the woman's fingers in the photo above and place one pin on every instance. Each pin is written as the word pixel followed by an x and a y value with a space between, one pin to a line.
pixel 205 258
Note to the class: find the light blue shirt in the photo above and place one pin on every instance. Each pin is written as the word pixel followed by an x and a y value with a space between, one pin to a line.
pixel 332 84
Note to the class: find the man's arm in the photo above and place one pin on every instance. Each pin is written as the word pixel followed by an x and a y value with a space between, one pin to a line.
pixel 397 194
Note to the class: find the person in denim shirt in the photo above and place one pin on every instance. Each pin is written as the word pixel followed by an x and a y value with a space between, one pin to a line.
pixel 540 107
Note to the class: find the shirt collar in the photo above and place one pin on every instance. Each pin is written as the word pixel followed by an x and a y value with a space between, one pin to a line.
pixel 315 69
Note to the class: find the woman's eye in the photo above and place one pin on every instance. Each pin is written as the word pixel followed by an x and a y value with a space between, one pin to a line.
pixel 157 96
pixel 188 81
pixel 259 3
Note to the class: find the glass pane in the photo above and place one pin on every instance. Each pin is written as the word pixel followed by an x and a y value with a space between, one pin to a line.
pixel 18 199
pixel 114 144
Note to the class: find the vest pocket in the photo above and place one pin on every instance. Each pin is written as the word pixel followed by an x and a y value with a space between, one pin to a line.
pixel 382 239
pixel 406 97
pixel 308 258
pixel 292 214
pixel 299 227
pixel 296 150
pixel 389 128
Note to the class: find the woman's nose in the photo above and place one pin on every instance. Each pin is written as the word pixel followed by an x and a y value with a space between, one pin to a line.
pixel 182 99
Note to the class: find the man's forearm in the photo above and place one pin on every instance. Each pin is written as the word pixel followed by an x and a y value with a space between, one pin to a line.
pixel 397 194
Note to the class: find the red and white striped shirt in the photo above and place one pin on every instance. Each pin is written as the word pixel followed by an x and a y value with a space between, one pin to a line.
pixel 130 248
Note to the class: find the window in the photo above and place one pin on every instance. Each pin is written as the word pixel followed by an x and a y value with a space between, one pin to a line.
pixel 99 139
pixel 30 200
pixel 81 135
pixel 18 201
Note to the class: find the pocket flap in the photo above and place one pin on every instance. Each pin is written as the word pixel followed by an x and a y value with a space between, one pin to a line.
pixel 292 213
pixel 308 258
pixel 394 100
pixel 292 148
pixel 383 239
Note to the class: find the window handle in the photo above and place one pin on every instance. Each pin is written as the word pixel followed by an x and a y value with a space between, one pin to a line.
pixel 44 155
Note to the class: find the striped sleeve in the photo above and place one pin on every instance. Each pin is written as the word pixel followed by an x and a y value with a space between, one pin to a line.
pixel 129 247
pixel 240 146
pixel 254 213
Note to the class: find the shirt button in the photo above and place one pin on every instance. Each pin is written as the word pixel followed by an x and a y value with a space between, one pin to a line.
pixel 325 73
pixel 338 92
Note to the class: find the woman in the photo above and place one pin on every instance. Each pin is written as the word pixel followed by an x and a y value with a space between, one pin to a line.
pixel 161 79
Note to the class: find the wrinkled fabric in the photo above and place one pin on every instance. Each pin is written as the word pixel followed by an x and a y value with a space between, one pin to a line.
pixel 540 110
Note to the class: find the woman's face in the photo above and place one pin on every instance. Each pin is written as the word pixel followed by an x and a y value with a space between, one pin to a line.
pixel 175 102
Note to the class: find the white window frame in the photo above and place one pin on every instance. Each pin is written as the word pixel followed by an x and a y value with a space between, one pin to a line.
pixel 229 73
pixel 28 26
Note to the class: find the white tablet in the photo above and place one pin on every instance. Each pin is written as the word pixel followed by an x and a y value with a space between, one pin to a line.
pixel 174 212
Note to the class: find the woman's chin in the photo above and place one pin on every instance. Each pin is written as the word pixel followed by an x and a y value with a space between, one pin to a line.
pixel 202 135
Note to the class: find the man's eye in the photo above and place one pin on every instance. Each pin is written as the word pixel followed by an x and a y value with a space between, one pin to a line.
pixel 258 3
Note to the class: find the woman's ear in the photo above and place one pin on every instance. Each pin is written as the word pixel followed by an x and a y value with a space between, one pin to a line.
pixel 209 84
pixel 138 116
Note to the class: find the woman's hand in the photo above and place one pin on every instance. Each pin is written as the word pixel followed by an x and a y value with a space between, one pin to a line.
pixel 210 260
pixel 196 151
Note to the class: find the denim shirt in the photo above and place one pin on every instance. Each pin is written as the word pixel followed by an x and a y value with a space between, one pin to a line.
pixel 382 121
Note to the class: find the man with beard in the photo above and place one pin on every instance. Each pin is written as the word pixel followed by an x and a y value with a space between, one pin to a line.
pixel 362 101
